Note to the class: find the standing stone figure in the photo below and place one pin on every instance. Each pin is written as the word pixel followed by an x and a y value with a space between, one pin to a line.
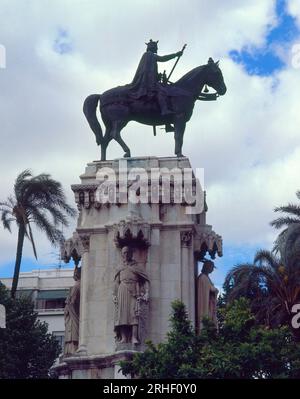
pixel 131 288
pixel 72 315
pixel 207 295
pixel 2 316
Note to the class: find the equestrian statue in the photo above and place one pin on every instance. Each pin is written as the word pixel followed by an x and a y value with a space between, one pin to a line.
pixel 153 100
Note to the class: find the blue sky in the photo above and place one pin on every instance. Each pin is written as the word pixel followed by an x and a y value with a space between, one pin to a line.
pixel 264 60
pixel 56 58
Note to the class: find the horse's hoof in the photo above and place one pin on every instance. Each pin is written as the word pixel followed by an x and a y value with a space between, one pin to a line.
pixel 180 155
pixel 127 155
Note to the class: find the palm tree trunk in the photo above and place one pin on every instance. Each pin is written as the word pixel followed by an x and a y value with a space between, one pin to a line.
pixel 21 235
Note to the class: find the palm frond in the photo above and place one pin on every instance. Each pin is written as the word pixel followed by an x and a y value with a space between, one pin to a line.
pixel 284 221
pixel 8 204
pixel 44 192
pixel 7 219
pixel 57 215
pixel 21 180
pixel 32 241
pixel 292 209
pixel 54 235
pixel 265 257
pixel 279 243
pixel 248 280
pixel 290 249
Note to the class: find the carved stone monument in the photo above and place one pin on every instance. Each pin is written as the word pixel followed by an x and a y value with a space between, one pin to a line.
pixel 142 224
pixel 136 258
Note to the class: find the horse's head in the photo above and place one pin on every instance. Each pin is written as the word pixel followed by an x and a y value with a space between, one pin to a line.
pixel 214 77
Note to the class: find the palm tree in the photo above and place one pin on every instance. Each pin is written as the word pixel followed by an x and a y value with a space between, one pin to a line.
pixel 271 282
pixel 40 201
pixel 293 212
pixel 291 218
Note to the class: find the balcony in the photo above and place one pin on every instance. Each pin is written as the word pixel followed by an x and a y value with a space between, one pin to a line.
pixel 50 311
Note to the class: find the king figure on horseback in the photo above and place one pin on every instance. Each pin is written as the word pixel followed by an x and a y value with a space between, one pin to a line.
pixel 152 101
pixel 146 81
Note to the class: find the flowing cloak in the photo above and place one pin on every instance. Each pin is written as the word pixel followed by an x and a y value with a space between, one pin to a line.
pixel 129 282
pixel 72 319
pixel 206 301
pixel 145 82
pixel 146 76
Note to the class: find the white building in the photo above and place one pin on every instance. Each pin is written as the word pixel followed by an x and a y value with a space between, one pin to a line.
pixel 48 290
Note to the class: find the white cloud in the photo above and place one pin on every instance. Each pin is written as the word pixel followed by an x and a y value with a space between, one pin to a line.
pixel 243 140
pixel 294 9
pixel 252 157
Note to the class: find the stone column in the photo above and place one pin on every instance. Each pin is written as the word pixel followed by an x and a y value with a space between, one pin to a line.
pixel 186 241
pixel 85 242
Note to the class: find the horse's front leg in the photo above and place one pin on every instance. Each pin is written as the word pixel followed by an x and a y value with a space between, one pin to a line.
pixel 179 126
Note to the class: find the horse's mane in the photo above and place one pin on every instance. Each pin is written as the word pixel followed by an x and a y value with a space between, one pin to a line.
pixel 189 76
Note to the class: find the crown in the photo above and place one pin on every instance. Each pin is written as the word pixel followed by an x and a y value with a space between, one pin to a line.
pixel 151 44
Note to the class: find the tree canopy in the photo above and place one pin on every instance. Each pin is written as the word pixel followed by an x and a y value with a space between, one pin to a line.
pixel 238 349
pixel 27 350
pixel 36 200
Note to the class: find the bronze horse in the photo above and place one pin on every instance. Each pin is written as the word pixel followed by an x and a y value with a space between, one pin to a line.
pixel 118 107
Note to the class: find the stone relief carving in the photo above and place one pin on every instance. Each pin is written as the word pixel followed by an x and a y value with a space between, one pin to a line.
pixel 131 298
pixel 186 238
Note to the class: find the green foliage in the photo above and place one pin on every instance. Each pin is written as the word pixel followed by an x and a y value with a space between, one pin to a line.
pixel 272 281
pixel 239 349
pixel 171 359
pixel 27 350
pixel 40 201
pixel 243 349
pixel 271 284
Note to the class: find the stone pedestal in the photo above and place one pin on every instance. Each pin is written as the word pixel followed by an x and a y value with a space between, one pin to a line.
pixel 168 240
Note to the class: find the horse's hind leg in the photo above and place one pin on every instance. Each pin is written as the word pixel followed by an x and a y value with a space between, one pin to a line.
pixel 179 126
pixel 106 139
pixel 116 134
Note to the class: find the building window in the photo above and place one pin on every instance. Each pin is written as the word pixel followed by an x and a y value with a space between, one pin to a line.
pixel 55 303
pixel 60 338
pixel 51 299
pixel 58 304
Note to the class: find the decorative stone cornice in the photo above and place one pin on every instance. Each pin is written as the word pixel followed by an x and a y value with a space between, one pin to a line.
pixel 86 194
pixel 74 247
pixel 206 240
pixel 133 231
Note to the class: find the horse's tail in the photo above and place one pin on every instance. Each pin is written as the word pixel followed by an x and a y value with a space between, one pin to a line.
pixel 89 110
